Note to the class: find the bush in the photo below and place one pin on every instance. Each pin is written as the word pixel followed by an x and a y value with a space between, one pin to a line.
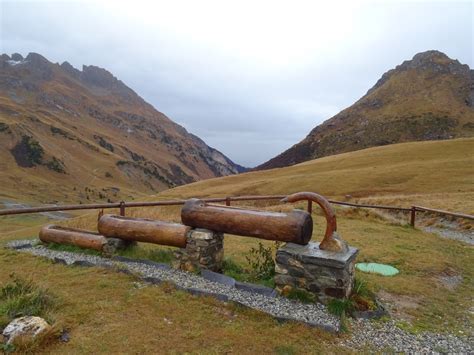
pixel 22 297
pixel 261 262
pixel 56 165
pixel 363 299
pixel 340 307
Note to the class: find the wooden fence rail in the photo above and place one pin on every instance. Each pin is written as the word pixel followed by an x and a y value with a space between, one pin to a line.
pixel 227 200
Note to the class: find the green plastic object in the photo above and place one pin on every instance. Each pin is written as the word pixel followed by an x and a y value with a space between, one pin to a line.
pixel 382 269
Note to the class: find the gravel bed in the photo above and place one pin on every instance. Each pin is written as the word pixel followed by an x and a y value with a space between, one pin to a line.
pixel 448 233
pixel 365 334
pixel 387 337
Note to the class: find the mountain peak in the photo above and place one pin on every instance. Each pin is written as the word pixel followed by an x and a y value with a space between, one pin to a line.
pixel 428 97
pixel 432 60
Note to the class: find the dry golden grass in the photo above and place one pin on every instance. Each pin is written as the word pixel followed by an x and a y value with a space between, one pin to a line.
pixel 438 173
pixel 107 312
pixel 110 315
pixel 421 257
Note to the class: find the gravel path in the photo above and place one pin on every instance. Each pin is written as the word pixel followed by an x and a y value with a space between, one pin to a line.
pixel 451 233
pixel 387 337
pixel 365 334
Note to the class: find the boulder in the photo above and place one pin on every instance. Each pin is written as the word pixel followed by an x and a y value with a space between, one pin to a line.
pixel 25 328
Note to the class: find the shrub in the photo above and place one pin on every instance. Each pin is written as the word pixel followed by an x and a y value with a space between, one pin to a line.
pixel 22 297
pixel 28 152
pixel 4 127
pixel 56 165
pixel 261 262
pixel 339 307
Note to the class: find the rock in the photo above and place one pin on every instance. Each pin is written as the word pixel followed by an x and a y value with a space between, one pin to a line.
pixel 27 328
pixel 219 278
pixel 17 57
pixel 65 336
pixel 114 244
pixel 260 289
pixel 286 290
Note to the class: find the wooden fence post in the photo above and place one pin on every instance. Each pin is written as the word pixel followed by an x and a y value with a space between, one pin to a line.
pixel 412 216
pixel 122 208
pixel 227 201
pixel 310 206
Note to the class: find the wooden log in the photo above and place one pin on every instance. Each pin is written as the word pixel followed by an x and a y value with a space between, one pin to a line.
pixel 143 230
pixel 294 227
pixel 71 236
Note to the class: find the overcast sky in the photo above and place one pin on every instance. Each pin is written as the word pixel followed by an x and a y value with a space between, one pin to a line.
pixel 251 78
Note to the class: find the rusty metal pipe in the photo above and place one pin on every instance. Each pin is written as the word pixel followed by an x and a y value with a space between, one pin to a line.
pixel 330 241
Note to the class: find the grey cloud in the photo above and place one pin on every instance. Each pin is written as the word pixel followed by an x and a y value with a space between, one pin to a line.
pixel 250 102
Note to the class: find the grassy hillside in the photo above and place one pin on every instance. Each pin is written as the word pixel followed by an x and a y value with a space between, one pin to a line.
pixel 436 173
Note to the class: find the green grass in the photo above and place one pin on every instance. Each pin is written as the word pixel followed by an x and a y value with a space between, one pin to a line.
pixel 156 254
pixel 302 295
pixel 71 248
pixel 21 297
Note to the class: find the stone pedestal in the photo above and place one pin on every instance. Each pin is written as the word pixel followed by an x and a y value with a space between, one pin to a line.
pixel 114 244
pixel 306 267
pixel 204 250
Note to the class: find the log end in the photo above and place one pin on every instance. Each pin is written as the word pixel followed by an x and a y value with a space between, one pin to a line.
pixel 305 225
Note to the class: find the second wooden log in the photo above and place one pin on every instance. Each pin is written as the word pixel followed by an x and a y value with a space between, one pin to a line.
pixel 143 230
pixel 295 227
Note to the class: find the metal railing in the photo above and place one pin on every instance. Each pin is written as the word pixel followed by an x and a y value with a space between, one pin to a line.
pixel 228 200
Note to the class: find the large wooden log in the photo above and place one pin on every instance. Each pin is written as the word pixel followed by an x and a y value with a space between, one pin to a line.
pixel 78 237
pixel 143 230
pixel 294 227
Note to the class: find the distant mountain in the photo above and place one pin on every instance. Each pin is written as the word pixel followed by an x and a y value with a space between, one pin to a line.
pixel 67 134
pixel 427 98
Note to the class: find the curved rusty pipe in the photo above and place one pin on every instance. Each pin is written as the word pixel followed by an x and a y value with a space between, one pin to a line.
pixel 329 242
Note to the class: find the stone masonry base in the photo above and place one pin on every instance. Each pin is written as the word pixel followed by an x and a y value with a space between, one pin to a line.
pixel 325 274
pixel 204 250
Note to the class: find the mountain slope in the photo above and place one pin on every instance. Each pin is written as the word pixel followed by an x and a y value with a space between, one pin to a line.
pixel 432 173
pixel 75 135
pixel 427 98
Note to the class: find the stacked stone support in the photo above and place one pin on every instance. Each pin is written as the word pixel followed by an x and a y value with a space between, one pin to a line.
pixel 204 250
pixel 323 273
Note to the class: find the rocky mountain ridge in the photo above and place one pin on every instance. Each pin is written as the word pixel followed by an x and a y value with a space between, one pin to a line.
pixel 429 97
pixel 88 130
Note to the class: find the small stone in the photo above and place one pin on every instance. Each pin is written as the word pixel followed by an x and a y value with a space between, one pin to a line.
pixel 280 270
pixel 296 272
pixel 201 234
pixel 64 337
pixel 295 263
pixel 27 328
pixel 286 290
pixel 189 267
